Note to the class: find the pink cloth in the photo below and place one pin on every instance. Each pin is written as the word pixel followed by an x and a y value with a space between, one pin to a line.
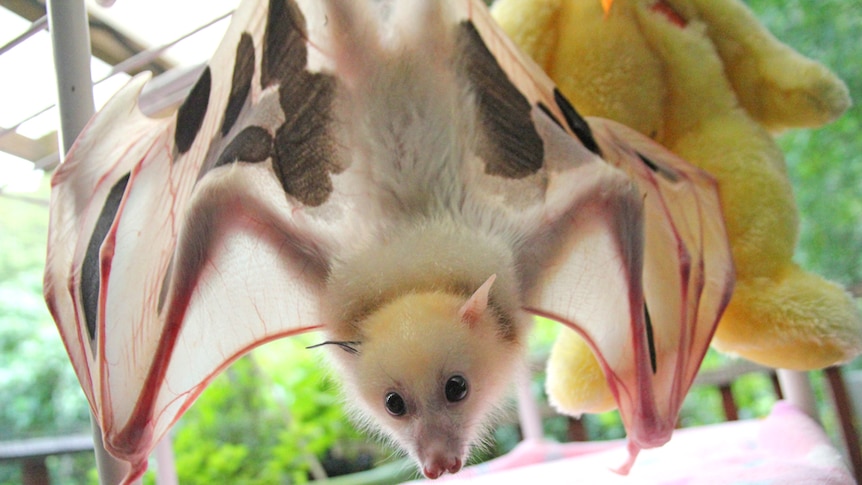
pixel 786 448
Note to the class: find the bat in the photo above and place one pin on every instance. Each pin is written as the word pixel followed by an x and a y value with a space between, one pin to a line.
pixel 400 178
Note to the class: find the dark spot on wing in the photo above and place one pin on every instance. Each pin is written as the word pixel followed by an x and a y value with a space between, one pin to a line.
pixel 649 163
pixel 91 269
pixel 577 124
pixel 191 114
pixel 304 155
pixel 670 175
pixel 653 359
pixel 509 143
pixel 284 49
pixel 253 144
pixel 243 70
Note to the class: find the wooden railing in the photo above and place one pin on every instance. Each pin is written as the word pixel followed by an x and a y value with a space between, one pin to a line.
pixel 31 454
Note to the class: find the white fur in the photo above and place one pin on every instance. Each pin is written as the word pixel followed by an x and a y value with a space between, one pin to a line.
pixel 407 126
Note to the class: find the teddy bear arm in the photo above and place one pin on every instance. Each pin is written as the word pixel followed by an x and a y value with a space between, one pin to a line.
pixel 779 87
pixel 756 197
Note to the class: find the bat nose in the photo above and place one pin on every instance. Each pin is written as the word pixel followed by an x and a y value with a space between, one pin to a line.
pixel 432 471
pixel 440 465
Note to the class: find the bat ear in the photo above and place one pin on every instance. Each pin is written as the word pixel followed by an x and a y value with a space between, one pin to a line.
pixel 475 306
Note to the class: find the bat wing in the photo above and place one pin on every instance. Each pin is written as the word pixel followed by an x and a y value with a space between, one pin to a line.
pixel 638 264
pixel 179 243
pixel 688 270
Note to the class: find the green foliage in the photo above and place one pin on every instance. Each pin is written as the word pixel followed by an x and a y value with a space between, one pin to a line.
pixel 30 347
pixel 31 356
pixel 271 417
pixel 39 392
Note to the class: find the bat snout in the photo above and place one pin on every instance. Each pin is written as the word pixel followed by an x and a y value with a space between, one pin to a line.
pixel 439 465
pixel 440 446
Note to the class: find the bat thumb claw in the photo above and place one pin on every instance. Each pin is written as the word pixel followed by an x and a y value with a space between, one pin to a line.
pixel 626 466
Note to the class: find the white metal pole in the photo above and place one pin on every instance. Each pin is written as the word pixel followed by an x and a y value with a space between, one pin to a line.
pixel 70 38
pixel 166 470
pixel 111 470
pixel 529 416
pixel 797 390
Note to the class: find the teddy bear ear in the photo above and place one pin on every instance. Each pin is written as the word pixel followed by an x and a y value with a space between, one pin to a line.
pixel 779 87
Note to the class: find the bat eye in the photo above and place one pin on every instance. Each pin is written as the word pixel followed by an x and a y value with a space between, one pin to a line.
pixel 456 388
pixel 395 404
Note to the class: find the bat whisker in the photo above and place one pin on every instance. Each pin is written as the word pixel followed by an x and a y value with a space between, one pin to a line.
pixel 346 346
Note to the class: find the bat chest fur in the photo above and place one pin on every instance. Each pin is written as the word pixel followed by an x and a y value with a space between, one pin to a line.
pixel 433 255
pixel 413 144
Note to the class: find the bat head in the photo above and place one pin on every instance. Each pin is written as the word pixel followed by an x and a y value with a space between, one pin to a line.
pixel 430 370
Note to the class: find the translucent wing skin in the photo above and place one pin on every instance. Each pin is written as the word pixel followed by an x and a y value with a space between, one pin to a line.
pixel 177 244
pixel 167 261
pixel 650 358
pixel 688 271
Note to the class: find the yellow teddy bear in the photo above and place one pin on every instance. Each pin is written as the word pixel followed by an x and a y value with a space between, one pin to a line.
pixel 707 80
